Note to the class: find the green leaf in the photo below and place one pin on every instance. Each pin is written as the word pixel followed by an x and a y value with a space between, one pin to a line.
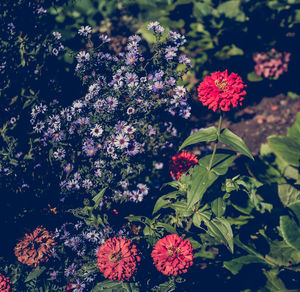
pixel 164 201
pixel 98 198
pixel 288 194
pixel 292 95
pixel 201 180
pixel 294 130
pixel 204 135
pixel 231 9
pixel 35 273
pixel 282 254
pixel 231 139
pixel 202 9
pixel 108 285
pixel 141 219
pixel 221 162
pixel 290 225
pixel 288 148
pixel 218 206
pixel 253 77
pixel 218 228
pixel 235 265
pixel 169 228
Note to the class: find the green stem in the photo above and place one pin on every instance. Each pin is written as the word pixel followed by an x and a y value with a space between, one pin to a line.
pixel 216 144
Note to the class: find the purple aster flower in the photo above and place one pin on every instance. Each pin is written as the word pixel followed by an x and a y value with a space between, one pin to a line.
pixel 90 151
pixel 121 126
pixel 171 81
pixel 184 60
pixel 133 148
pixel 170 53
pixel 151 130
pixel 157 86
pixel 158 75
pixel 58 136
pixel 131 77
pixel 68 168
pixel 78 286
pixel 131 58
pixel 85 30
pixel 134 38
pixel 112 102
pixel 86 183
pixel 70 271
pixel 54 275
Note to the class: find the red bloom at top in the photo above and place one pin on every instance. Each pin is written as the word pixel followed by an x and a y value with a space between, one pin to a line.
pixel 5 284
pixel 118 258
pixel 172 255
pixel 182 162
pixel 220 91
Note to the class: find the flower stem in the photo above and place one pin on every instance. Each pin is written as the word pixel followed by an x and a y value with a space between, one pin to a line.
pixel 216 144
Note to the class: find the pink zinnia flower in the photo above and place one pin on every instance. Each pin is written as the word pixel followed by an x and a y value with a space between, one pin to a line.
pixel 181 163
pixel 172 255
pixel 118 259
pixel 221 91
pixel 5 284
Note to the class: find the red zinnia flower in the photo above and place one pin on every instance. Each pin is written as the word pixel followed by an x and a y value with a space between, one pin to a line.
pixel 172 255
pixel 35 247
pixel 5 284
pixel 182 162
pixel 118 258
pixel 220 91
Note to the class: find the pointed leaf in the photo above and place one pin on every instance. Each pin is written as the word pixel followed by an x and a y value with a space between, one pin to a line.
pixel 202 179
pixel 108 285
pixel 164 201
pixel 35 273
pixel 290 225
pixel 288 194
pixel 235 265
pixel 288 148
pixel 231 139
pixel 218 206
pixel 218 228
pixel 204 135
pixel 97 199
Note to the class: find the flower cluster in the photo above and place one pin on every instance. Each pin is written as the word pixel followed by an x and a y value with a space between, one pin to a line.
pixel 119 122
pixel 118 259
pixel 271 64
pixel 221 91
pixel 5 284
pixel 172 255
pixel 82 243
pixel 181 163
pixel 35 248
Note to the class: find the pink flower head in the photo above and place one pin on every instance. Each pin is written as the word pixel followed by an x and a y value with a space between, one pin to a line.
pixel 221 91
pixel 172 255
pixel 118 259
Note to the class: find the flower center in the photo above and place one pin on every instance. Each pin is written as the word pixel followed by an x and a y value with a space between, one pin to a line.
pixel 172 250
pixel 115 256
pixel 221 84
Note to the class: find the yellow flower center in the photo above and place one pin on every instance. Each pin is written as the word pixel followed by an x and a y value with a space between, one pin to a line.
pixel 221 84
pixel 115 256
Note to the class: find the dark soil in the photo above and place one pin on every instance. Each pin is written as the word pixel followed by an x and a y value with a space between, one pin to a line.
pixel 255 122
